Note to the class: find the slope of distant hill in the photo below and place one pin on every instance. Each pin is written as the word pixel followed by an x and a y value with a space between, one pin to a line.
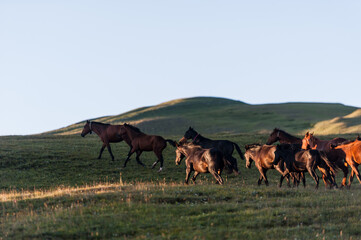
pixel 350 123
pixel 211 115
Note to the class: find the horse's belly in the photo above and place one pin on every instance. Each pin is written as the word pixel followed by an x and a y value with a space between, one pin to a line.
pixel 201 167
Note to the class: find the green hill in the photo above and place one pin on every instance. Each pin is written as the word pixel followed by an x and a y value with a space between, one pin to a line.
pixel 211 115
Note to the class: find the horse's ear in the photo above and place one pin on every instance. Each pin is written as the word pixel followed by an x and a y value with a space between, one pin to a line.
pixel 87 121
pixel 307 134
pixel 190 128
pixel 312 133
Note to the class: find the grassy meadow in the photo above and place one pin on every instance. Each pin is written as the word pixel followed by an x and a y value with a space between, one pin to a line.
pixel 53 187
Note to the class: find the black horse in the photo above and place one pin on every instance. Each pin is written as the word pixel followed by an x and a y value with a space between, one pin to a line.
pixel 283 137
pixel 225 146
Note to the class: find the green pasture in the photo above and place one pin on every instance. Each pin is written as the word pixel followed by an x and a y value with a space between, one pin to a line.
pixel 53 187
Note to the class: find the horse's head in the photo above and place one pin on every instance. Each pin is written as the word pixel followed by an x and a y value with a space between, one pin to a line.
pixel 179 153
pixel 190 133
pixel 308 141
pixel 248 155
pixel 87 128
pixel 274 136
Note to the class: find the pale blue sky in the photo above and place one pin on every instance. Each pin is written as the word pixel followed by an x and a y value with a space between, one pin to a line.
pixel 62 62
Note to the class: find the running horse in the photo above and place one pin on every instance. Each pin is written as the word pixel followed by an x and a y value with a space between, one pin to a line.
pixel 263 156
pixel 336 157
pixel 225 146
pixel 140 142
pixel 282 137
pixel 200 160
pixel 108 134
pixel 352 154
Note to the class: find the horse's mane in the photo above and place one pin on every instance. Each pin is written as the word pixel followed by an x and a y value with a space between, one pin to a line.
pixel 284 132
pixel 253 145
pixel 100 123
pixel 132 127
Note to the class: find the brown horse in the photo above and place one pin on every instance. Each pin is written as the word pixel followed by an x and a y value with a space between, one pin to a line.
pixel 263 156
pixel 108 134
pixel 352 154
pixel 200 160
pixel 282 137
pixel 140 142
pixel 336 157
pixel 299 161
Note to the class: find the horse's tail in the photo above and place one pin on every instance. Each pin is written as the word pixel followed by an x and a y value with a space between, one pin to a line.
pixel 171 142
pixel 330 164
pixel 238 150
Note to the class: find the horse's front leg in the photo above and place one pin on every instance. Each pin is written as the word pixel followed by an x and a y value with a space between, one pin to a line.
pixel 137 158
pixel 110 151
pixel 131 151
pixel 101 150
pixel 188 172
pixel 195 176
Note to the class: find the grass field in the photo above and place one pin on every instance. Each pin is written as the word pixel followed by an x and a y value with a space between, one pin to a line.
pixel 53 187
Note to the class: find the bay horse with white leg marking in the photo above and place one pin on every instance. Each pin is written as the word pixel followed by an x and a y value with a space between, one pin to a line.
pixel 108 134
pixel 282 137
pixel 143 142
pixel 200 160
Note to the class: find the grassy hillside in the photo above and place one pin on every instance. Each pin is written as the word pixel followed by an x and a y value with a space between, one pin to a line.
pixel 216 115
pixel 350 123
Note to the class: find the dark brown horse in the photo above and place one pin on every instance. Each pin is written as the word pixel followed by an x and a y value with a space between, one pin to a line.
pixel 352 154
pixel 200 160
pixel 336 157
pixel 263 157
pixel 282 137
pixel 297 160
pixel 140 142
pixel 225 146
pixel 108 134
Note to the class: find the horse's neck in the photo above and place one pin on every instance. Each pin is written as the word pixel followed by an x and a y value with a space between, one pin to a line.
pixel 97 128
pixel 287 138
pixel 133 134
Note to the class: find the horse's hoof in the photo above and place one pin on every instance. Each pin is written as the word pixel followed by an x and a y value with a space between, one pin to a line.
pixel 153 166
pixel 160 169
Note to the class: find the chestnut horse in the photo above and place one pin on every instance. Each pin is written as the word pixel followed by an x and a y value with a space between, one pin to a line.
pixel 352 154
pixel 108 134
pixel 282 137
pixel 263 156
pixel 315 143
pixel 336 157
pixel 299 161
pixel 200 160
pixel 143 142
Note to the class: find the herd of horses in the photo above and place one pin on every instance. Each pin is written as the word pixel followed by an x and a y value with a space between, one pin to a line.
pixel 292 157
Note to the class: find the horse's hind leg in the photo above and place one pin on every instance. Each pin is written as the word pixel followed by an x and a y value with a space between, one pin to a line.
pixel 137 158
pixel 160 159
pixel 314 176
pixel 217 176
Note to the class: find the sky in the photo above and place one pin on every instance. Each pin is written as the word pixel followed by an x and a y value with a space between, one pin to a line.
pixel 63 62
